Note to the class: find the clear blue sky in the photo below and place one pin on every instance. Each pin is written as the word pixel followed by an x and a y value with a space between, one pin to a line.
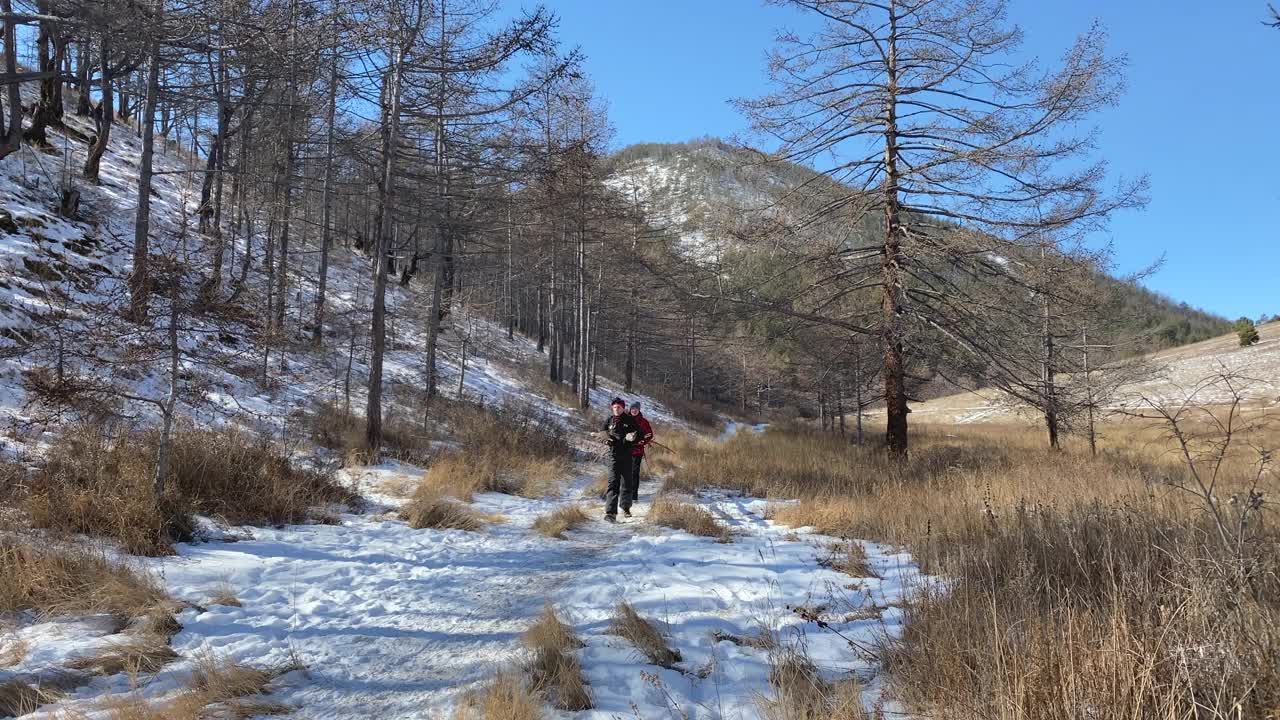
pixel 1201 115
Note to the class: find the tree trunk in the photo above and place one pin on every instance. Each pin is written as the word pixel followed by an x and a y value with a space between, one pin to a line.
pixel 326 239
pixel 895 393
pixel 840 406
pixel 13 132
pixel 282 277
pixel 103 115
pixel 139 280
pixel 1049 391
pixel 1088 389
pixel 378 331
pixel 170 402
pixel 84 77
pixel 693 349
pixel 51 47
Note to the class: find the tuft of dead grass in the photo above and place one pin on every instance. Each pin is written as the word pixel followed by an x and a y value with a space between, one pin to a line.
pixel 554 671
pixel 136 656
pixel 513 449
pixel 628 624
pixel 218 688
pixel 18 698
pixel 506 697
pixel 68 579
pixel 557 522
pixel 688 517
pixel 224 593
pixel 800 692
pixel 101 485
pixel 848 557
pixel 596 489
pixel 428 508
pixel 13 651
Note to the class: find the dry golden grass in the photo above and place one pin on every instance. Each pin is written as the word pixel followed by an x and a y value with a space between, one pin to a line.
pixel 101 486
pixel 514 449
pixel 763 639
pixel 557 522
pixel 596 489
pixel 687 517
pixel 18 698
pixel 848 557
pixel 66 579
pixel 554 670
pixel 429 508
pixel 218 688
pixel 628 623
pixel 800 692
pixel 1077 582
pixel 224 593
pixel 675 448
pixel 331 427
pixel 505 698
pixel 13 650
pixel 135 656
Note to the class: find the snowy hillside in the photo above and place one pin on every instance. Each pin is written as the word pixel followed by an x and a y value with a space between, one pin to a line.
pixel 364 615
pixel 698 190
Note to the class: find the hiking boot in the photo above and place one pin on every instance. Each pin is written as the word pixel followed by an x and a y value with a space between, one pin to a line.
pixel 626 513
pixel 611 518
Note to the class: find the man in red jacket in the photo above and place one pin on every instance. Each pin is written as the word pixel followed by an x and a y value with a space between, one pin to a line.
pixel 632 493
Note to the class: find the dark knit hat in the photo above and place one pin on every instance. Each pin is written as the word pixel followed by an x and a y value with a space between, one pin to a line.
pixel 618 401
pixel 635 404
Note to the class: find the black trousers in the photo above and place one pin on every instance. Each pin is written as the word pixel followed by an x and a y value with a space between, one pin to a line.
pixel 632 493
pixel 619 483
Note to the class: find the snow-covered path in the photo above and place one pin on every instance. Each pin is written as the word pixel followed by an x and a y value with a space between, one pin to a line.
pixel 393 622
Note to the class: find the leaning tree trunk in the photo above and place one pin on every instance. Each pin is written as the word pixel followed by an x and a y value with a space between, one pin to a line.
pixel 104 117
pixel 139 282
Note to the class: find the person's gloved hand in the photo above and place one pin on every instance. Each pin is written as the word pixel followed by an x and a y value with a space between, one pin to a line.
pixel 631 437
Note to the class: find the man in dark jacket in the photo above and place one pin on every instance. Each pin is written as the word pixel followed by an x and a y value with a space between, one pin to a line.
pixel 621 433
pixel 632 493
